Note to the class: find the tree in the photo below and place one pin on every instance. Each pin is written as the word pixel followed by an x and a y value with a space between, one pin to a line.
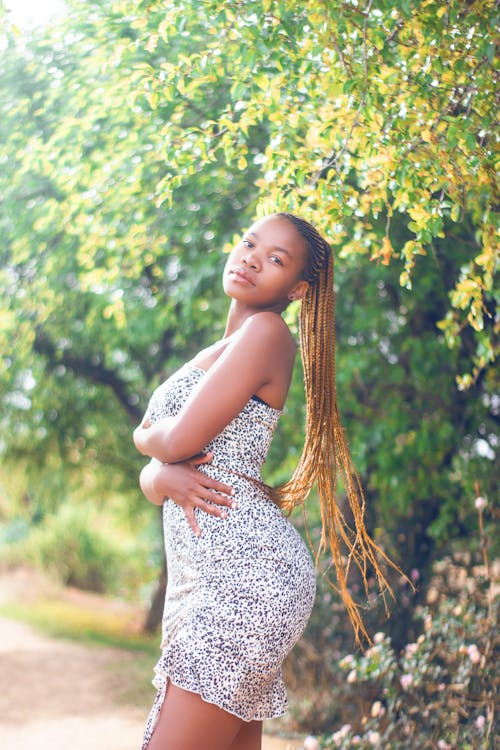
pixel 372 111
pixel 100 285
pixel 138 137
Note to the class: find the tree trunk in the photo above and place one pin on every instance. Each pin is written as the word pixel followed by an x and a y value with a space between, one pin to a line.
pixel 154 616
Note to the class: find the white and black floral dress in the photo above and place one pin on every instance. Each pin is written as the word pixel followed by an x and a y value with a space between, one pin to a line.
pixel 239 596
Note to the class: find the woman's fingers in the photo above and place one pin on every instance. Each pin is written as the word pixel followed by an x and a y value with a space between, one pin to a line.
pixel 212 510
pixel 213 484
pixel 202 505
pixel 220 495
pixel 217 487
pixel 191 519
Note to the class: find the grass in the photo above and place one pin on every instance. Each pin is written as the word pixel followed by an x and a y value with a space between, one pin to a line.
pixel 63 619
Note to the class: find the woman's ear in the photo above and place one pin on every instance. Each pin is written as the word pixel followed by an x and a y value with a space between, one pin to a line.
pixel 299 290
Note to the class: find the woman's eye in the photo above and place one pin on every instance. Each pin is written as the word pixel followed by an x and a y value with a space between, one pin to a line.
pixel 247 243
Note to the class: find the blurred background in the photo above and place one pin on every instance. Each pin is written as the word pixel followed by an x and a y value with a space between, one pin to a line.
pixel 137 140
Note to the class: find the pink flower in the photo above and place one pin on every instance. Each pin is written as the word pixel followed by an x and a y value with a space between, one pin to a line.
pixel 415 575
pixel 474 653
pixel 311 743
pixel 373 737
pixel 480 503
pixel 346 661
pixel 379 637
pixel 443 745
pixel 480 722
pixel 377 709
pixel 351 677
pixel 341 734
pixel 406 681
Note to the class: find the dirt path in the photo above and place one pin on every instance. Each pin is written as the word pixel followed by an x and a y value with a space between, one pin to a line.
pixel 59 695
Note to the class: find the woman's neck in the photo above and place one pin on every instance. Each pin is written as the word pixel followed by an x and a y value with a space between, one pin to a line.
pixel 237 315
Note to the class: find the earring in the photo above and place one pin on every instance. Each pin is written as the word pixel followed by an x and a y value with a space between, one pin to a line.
pixel 291 297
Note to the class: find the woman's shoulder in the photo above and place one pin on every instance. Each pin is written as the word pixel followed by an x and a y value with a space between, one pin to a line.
pixel 267 323
pixel 266 334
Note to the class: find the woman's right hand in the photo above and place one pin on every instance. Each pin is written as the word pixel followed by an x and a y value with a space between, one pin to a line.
pixel 187 487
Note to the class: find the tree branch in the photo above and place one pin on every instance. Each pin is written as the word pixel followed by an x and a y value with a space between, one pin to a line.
pixel 84 367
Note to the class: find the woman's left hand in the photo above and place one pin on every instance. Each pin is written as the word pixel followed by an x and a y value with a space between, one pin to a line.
pixel 189 488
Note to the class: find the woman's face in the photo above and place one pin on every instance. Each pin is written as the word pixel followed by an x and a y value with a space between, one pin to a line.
pixel 265 269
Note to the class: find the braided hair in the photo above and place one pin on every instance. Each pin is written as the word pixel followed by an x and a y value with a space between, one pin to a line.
pixel 325 455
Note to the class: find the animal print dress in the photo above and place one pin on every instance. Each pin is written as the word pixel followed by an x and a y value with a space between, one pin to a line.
pixel 239 596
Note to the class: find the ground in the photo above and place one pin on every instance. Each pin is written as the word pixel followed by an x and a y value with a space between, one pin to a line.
pixel 56 694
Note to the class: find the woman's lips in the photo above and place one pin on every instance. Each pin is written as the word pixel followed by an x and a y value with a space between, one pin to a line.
pixel 242 276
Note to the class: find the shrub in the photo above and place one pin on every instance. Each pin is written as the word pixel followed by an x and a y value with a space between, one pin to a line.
pixel 438 693
pixel 79 548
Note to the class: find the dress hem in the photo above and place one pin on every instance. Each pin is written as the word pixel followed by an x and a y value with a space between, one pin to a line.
pixel 162 684
pixel 166 679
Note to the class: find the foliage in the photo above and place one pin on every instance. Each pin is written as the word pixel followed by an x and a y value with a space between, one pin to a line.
pixel 65 526
pixel 439 690
pixel 374 110
pixel 419 443
pixel 111 116
pixel 136 140
pixel 88 622
pixel 100 286
pixel 77 549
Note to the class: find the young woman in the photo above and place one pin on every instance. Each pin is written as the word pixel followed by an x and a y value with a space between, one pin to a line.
pixel 241 581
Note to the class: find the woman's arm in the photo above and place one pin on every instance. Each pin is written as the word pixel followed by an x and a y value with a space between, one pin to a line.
pixel 187 487
pixel 260 352
pixel 147 482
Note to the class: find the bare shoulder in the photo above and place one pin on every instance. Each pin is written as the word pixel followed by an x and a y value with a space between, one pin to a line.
pixel 267 326
pixel 264 342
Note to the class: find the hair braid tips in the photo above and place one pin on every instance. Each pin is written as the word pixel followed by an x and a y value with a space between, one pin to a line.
pixel 325 456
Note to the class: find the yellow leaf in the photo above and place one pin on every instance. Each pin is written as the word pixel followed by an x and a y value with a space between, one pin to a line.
pixel 419 215
pixel 313 138
pixel 385 253
pixel 152 98
pixel 487 259
pixel 139 23
pixel 262 81
pixel 152 43
pixel 405 280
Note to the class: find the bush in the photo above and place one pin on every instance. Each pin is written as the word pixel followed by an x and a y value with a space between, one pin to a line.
pixel 76 546
pixel 439 692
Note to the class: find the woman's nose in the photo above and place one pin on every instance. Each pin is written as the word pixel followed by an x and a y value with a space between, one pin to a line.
pixel 250 259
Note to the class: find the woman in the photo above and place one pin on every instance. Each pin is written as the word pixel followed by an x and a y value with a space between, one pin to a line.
pixel 241 581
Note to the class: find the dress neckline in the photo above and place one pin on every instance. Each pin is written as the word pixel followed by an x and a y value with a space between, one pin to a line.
pixel 252 400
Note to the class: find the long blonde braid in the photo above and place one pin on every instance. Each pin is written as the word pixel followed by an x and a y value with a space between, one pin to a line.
pixel 326 455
